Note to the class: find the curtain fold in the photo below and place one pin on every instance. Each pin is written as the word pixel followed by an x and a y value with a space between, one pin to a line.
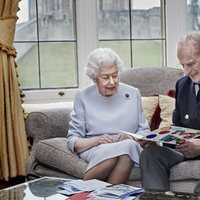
pixel 13 139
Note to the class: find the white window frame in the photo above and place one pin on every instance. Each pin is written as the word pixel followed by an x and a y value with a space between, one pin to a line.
pixel 87 40
pixel 176 27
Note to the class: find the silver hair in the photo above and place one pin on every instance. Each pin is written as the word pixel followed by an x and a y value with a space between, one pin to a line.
pixel 192 39
pixel 101 57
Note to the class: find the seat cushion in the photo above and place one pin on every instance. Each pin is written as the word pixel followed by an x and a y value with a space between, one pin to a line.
pixel 55 154
pixel 149 105
pixel 187 170
pixel 135 174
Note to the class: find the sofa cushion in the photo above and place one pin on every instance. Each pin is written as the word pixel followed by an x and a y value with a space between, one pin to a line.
pixel 155 120
pixel 167 105
pixel 162 110
pixel 171 93
pixel 149 105
pixel 54 153
pixel 41 170
pixel 135 174
pixel 186 170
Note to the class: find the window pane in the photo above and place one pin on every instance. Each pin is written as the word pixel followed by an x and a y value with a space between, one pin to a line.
pixel 115 17
pixel 193 15
pixel 146 19
pixel 122 48
pixel 27 61
pixel 58 64
pixel 26 28
pixel 148 53
pixel 56 20
pixel 114 20
pixel 52 62
pixel 134 28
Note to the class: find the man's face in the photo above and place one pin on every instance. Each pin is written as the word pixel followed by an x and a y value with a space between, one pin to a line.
pixel 107 80
pixel 190 62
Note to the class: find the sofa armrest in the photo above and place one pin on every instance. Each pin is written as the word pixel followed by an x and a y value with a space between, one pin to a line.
pixel 49 123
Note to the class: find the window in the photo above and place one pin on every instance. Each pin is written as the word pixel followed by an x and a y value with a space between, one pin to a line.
pixel 53 39
pixel 46 44
pixel 134 28
pixel 193 15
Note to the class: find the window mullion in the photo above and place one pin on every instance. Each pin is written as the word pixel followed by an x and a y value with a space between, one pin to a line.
pixel 176 18
pixel 87 35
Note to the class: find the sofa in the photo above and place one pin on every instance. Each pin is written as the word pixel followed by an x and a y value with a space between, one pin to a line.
pixel 47 128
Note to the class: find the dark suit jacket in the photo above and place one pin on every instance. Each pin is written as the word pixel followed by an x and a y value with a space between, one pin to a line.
pixel 187 109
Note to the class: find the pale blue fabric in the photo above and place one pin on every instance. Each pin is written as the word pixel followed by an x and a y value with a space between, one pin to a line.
pixel 90 117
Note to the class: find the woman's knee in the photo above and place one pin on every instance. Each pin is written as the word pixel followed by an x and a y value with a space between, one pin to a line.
pixel 109 163
pixel 132 144
pixel 124 158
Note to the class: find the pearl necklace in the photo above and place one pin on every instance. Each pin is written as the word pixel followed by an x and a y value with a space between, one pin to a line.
pixel 106 100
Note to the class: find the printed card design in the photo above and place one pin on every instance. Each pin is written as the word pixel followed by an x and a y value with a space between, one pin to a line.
pixel 170 134
pixel 173 134
pixel 120 191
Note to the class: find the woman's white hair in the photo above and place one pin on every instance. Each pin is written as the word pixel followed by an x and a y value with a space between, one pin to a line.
pixel 101 57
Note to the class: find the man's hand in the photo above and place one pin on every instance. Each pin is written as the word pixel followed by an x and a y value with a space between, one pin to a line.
pixel 146 143
pixel 190 149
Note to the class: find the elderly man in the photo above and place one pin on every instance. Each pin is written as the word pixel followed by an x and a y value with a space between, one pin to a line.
pixel 156 161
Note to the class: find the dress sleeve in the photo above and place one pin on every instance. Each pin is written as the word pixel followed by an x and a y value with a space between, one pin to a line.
pixel 77 125
pixel 143 126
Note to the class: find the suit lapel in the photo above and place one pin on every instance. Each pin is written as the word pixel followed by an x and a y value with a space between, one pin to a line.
pixel 192 99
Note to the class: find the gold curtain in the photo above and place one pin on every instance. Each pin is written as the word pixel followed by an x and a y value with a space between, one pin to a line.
pixel 13 140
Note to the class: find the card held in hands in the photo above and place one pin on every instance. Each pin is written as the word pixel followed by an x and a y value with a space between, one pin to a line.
pixel 171 135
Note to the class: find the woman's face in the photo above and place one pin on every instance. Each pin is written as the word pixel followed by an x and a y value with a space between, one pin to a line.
pixel 190 63
pixel 107 80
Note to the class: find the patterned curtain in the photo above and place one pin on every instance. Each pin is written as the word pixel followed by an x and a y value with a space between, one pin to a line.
pixel 13 140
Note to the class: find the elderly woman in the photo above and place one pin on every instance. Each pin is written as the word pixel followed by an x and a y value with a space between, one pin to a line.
pixel 100 111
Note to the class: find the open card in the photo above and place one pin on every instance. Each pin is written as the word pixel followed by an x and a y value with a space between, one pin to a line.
pixel 120 191
pixel 170 134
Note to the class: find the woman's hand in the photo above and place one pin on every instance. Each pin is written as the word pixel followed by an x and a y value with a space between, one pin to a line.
pixel 83 144
pixel 122 136
pixel 190 149
pixel 105 138
pixel 110 139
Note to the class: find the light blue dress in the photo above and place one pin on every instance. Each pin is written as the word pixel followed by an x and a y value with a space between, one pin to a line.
pixel 91 117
